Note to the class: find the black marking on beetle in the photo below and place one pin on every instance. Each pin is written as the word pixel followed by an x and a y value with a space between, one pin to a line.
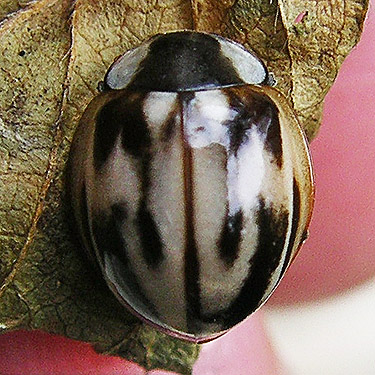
pixel 107 233
pixel 192 287
pixel 230 239
pixel 254 109
pixel 168 129
pixel 107 129
pixel 239 125
pixel 185 61
pixel 152 247
pixel 136 137
pixel 273 138
pixel 119 212
pixel 295 223
pixel 125 115
pixel 273 226
pixel 121 115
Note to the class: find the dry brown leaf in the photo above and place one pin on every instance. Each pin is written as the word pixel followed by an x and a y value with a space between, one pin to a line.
pixel 10 6
pixel 53 54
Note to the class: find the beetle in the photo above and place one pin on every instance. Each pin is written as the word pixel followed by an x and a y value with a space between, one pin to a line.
pixel 191 183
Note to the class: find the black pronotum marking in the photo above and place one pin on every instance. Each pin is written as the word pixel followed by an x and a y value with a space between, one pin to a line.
pixel 185 61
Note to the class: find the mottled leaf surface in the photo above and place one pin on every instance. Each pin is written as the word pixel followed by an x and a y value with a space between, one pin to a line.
pixel 53 53
pixel 7 7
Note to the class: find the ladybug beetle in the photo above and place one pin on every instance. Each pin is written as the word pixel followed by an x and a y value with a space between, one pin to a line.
pixel 191 183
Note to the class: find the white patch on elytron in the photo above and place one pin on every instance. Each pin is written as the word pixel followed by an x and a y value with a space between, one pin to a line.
pixel 246 173
pixel 247 66
pixel 157 107
pixel 205 124
pixel 204 119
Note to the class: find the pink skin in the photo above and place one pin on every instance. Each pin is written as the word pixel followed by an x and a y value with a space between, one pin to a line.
pixel 245 348
pixel 338 255
pixel 37 353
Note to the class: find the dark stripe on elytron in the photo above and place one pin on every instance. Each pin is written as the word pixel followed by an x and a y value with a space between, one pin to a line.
pixel 125 115
pixel 273 140
pixel 107 234
pixel 107 129
pixel 295 224
pixel 152 247
pixel 185 61
pixel 136 137
pixel 121 114
pixel 169 128
pixel 273 226
pixel 109 238
pixel 231 238
pixel 192 288
pixel 151 243
pixel 240 124
pixel 254 109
